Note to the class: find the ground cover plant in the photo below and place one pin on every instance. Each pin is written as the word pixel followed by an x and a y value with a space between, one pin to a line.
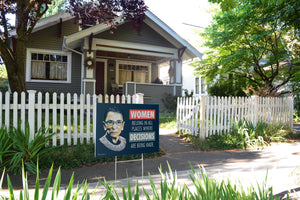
pixel 205 188
pixel 244 135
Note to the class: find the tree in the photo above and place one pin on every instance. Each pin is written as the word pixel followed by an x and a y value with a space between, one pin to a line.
pixel 257 44
pixel 55 7
pixel 28 12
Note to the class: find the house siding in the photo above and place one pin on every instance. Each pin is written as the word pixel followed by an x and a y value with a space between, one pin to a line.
pixel 50 38
pixel 126 33
pixel 73 87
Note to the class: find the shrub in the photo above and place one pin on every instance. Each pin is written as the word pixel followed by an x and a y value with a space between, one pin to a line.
pixel 243 135
pixel 170 102
pixel 22 149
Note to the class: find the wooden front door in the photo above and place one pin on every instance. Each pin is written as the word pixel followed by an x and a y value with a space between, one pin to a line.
pixel 99 77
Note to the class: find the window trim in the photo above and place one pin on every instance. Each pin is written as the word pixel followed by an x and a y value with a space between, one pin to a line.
pixel 118 62
pixel 44 51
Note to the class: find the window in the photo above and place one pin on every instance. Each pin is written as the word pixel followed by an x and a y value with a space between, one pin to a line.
pixel 133 72
pixel 48 66
pixel 197 85
pixel 203 89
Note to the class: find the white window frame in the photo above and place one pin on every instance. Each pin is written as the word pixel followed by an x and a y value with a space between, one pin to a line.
pixel 118 62
pixel 44 51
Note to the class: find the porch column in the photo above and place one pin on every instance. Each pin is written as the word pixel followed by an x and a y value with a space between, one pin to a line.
pixel 175 72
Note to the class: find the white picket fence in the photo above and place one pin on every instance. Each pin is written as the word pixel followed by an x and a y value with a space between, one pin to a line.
pixel 204 116
pixel 72 120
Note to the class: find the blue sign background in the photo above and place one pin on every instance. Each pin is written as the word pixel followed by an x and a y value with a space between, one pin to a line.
pixel 140 134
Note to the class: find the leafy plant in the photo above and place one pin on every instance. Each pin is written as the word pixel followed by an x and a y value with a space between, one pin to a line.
pixel 24 149
pixel 6 144
pixel 243 135
pixel 206 188
pixel 170 102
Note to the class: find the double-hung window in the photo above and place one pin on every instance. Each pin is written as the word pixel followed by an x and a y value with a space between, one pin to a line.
pixel 48 66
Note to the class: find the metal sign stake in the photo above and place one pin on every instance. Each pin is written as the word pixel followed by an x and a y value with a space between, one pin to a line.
pixel 124 161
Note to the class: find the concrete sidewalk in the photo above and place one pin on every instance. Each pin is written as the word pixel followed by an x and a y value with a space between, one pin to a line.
pixel 249 167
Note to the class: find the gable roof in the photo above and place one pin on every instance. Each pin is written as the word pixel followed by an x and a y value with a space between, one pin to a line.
pixel 151 20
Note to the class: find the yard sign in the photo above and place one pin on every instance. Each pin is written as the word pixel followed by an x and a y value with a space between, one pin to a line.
pixel 124 129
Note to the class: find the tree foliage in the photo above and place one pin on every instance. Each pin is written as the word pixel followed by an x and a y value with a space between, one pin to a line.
pixel 14 38
pixel 257 43
pixel 55 7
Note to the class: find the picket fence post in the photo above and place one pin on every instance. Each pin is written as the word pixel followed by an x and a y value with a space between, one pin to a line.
pixel 31 113
pixel 202 117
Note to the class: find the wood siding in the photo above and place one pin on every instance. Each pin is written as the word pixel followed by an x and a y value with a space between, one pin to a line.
pixel 49 38
pixel 126 33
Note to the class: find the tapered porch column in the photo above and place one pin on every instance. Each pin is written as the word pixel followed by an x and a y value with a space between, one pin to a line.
pixel 175 72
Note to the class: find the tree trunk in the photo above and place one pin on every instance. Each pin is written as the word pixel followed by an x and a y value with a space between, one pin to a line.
pixel 16 78
pixel 15 68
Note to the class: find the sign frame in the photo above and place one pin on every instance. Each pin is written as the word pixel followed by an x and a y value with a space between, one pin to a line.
pixel 126 129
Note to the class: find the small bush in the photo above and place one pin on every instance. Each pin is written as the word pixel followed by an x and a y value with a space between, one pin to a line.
pixel 20 148
pixel 170 102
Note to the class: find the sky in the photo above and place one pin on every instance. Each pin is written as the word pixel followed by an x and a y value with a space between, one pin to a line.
pixel 177 13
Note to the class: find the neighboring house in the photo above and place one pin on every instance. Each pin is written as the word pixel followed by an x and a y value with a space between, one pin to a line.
pixel 190 82
pixel 62 57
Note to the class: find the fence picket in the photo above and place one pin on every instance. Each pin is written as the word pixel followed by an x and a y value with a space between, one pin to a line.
pixel 61 123
pixel 6 107
pixel 94 112
pixel 81 118
pixel 69 119
pixel 39 111
pixel 23 107
pixel 88 118
pixel 15 109
pixel 54 119
pixel 47 105
pixel 75 121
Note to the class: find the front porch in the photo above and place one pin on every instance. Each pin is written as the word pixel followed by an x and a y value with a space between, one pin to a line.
pixel 153 93
pixel 112 71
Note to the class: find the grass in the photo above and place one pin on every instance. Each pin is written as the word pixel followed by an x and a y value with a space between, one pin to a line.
pixel 167 120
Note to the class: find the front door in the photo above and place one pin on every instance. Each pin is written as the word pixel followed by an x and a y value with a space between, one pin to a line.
pixel 99 77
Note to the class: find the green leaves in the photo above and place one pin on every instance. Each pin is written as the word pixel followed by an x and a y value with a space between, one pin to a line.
pixel 16 147
pixel 252 41
pixel 205 188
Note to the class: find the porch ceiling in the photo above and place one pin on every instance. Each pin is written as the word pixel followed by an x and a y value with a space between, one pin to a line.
pixel 129 56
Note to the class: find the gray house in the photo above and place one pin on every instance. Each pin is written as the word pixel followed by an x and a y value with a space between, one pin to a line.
pixel 62 57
